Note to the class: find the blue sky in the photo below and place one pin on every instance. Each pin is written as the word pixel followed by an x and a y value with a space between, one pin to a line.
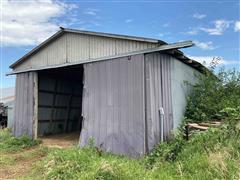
pixel 213 25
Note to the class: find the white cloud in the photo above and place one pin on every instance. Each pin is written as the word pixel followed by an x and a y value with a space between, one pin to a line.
pixel 30 22
pixel 237 26
pixel 199 16
pixel 207 60
pixel 128 20
pixel 205 45
pixel 91 11
pixel 219 27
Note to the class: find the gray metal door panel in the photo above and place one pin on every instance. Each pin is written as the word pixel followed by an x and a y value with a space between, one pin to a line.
pixel 24 105
pixel 113 105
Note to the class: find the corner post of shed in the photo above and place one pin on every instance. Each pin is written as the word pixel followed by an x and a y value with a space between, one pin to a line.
pixel 146 149
pixel 35 105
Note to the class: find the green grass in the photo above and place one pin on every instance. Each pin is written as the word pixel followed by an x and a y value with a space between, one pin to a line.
pixel 9 143
pixel 213 154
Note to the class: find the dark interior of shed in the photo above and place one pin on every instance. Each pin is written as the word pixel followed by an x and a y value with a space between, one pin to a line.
pixel 60 100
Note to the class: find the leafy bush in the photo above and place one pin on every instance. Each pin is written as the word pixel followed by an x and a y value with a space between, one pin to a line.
pixel 214 154
pixel 9 143
pixel 212 94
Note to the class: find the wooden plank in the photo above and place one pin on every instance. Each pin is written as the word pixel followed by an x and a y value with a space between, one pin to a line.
pixel 196 126
pixel 217 123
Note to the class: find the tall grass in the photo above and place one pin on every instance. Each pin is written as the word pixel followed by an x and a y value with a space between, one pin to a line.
pixel 214 154
pixel 9 143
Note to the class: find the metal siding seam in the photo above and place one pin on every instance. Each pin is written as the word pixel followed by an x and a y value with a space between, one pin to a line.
pixel 25 110
pixel 155 93
pixel 170 79
pixel 146 145
pixel 66 48
pixel 16 104
pixel 164 96
pixel 30 108
pixel 18 107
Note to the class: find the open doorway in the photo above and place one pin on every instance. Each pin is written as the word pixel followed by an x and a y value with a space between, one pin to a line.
pixel 60 101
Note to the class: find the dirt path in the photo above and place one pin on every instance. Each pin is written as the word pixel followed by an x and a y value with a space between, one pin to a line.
pixel 22 162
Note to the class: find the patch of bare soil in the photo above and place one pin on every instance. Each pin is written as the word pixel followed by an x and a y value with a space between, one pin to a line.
pixel 25 159
pixel 22 166
pixel 61 140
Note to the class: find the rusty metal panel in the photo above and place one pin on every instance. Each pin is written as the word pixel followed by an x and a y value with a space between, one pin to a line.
pixel 113 105
pixel 158 92
pixel 24 105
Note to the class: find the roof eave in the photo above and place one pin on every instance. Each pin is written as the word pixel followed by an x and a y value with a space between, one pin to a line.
pixel 34 50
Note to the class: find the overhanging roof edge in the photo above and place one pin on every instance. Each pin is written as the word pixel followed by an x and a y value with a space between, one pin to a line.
pixel 160 48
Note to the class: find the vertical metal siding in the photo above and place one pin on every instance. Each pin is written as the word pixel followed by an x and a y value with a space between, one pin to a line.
pixel 158 82
pixel 113 105
pixel 24 104
pixel 77 47
pixel 72 47
pixel 52 54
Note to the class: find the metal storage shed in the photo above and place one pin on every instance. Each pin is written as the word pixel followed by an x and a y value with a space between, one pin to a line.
pixel 109 87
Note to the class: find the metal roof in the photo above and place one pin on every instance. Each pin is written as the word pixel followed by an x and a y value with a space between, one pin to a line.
pixel 64 30
pixel 171 49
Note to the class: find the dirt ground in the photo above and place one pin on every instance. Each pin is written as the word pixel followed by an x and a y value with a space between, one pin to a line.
pixel 61 140
pixel 21 162
pixel 21 165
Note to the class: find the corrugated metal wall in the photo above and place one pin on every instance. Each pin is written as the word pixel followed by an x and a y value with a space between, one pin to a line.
pixel 158 94
pixel 113 105
pixel 53 54
pixel 24 104
pixel 72 47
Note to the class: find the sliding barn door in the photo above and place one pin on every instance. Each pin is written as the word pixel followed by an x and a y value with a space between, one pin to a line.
pixel 113 105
